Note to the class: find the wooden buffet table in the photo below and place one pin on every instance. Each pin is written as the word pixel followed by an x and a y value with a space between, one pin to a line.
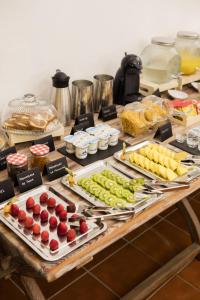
pixel 16 256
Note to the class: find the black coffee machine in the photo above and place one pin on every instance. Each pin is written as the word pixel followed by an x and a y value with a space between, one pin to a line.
pixel 127 80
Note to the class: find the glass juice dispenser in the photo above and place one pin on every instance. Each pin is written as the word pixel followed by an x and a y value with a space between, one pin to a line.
pixel 187 45
pixel 160 60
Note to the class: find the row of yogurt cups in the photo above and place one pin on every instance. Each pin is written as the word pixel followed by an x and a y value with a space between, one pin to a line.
pixel 90 141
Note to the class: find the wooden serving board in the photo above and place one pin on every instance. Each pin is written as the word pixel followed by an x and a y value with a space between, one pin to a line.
pixel 148 88
pixel 22 138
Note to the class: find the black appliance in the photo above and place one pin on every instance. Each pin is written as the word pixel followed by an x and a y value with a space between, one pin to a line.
pixel 127 80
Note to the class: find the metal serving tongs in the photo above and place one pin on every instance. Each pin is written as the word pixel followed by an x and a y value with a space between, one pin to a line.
pixel 156 186
pixel 166 186
pixel 147 189
pixel 108 212
pixel 192 160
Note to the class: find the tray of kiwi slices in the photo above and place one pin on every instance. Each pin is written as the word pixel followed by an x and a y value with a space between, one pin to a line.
pixel 102 185
pixel 158 161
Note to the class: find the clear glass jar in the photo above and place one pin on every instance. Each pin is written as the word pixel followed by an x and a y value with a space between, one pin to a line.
pixel 160 60
pixel 39 156
pixel 16 163
pixel 187 44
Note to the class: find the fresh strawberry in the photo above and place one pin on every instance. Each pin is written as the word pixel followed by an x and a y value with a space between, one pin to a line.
pixel 28 222
pixel 21 215
pixel 51 202
pixel 36 209
pixel 43 198
pixel 59 208
pixel 14 210
pixel 71 235
pixel 74 218
pixel 53 222
pixel 44 216
pixel 53 245
pixel 71 208
pixel 83 227
pixel 30 203
pixel 36 229
pixel 44 236
pixel 62 229
pixel 63 215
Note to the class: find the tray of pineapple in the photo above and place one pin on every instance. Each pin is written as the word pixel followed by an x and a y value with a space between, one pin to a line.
pixel 158 161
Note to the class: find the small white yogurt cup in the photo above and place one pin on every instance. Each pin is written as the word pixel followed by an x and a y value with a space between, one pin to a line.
pixel 69 141
pixel 91 130
pixel 82 135
pixel 81 150
pixel 103 141
pixel 93 145
pixel 114 137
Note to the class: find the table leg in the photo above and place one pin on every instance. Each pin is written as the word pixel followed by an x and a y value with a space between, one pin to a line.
pixel 191 219
pixel 176 264
pixel 31 288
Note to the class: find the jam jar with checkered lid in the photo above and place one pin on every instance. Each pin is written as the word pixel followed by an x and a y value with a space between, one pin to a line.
pixel 39 156
pixel 16 163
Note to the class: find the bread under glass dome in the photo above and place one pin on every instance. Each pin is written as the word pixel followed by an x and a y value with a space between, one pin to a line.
pixel 29 115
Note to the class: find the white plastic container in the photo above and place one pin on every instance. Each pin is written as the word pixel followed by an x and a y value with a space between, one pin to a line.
pixel 93 145
pixel 103 141
pixel 114 137
pixel 81 150
pixel 69 141
pixel 91 130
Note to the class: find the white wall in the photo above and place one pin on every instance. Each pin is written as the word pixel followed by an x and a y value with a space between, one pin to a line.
pixel 81 37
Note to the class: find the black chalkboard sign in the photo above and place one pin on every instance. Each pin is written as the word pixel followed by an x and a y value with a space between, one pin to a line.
pixel 108 113
pixel 6 190
pixel 47 140
pixel 29 180
pixel 164 132
pixel 3 155
pixel 85 118
pixel 80 127
pixel 56 169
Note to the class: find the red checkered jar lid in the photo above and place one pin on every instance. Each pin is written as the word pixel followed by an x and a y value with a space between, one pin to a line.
pixel 16 159
pixel 39 149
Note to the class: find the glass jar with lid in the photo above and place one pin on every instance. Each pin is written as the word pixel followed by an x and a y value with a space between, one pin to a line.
pixel 39 156
pixel 29 116
pixel 160 60
pixel 187 44
pixel 16 163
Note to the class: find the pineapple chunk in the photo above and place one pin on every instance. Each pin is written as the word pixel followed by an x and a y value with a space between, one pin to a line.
pixel 161 149
pixel 171 175
pixel 181 170
pixel 166 162
pixel 141 161
pixel 142 151
pixel 181 155
pixel 152 167
pixel 162 171
pixel 150 154
pixel 147 164
pixel 173 164
pixel 161 160
pixel 156 156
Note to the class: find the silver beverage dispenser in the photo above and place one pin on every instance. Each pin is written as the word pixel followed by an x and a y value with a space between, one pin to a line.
pixel 61 97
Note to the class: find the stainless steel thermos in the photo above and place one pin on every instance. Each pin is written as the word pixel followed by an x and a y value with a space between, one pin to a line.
pixel 103 91
pixel 82 97
pixel 61 97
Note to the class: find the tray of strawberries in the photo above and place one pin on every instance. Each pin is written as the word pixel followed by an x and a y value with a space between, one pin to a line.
pixel 51 226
